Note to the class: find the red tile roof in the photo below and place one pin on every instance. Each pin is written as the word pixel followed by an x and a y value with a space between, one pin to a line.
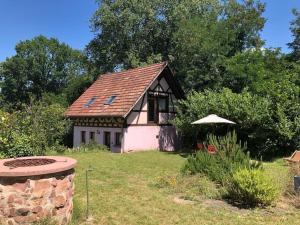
pixel 128 86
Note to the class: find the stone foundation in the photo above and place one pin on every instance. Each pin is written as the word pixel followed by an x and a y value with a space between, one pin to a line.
pixel 24 200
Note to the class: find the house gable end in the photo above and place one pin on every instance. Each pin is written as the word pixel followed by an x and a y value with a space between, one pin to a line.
pixel 165 86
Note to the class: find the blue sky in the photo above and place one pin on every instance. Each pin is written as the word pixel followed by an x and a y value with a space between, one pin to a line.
pixel 68 20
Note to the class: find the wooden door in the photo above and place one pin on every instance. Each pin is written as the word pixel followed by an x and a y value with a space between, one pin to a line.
pixel 107 139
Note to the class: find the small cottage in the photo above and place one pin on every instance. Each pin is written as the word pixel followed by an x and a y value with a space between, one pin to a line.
pixel 129 110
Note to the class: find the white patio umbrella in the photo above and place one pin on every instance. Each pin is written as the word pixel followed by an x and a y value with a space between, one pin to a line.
pixel 211 119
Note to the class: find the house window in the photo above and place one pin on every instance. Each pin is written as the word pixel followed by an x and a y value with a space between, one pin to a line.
pixel 152 109
pixel 157 104
pixel 83 137
pixel 92 136
pixel 163 105
pixel 118 139
pixel 171 104
pixel 90 102
pixel 110 100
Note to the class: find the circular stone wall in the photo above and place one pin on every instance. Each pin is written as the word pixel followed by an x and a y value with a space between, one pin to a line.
pixel 34 188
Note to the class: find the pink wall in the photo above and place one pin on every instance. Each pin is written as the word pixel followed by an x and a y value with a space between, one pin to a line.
pixel 138 138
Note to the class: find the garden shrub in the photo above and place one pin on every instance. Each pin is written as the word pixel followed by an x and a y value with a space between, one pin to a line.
pixel 91 146
pixel 4 130
pixel 54 149
pixel 20 147
pixel 251 187
pixel 219 167
pixel 32 130
pixel 205 164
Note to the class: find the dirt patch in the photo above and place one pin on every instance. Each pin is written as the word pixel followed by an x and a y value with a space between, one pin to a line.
pixel 283 207
pixel 180 200
pixel 221 205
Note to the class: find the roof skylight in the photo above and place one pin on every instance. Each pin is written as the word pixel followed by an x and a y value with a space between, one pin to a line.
pixel 110 100
pixel 90 102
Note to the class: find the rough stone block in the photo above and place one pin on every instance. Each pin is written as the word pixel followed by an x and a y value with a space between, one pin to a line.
pixel 37 209
pixel 41 188
pixel 59 201
pixel 22 211
pixel 20 186
pixel 62 185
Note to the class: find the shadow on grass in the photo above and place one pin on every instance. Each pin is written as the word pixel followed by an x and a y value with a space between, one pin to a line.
pixel 182 153
pixel 240 205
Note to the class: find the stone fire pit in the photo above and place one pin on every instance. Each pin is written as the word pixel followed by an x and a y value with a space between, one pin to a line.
pixel 33 188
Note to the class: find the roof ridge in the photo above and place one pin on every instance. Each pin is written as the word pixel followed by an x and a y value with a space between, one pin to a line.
pixel 163 63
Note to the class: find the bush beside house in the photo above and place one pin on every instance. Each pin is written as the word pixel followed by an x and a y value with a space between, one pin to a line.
pixel 32 130
pixel 268 130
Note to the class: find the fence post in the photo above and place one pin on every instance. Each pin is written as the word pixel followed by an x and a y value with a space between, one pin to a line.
pixel 87 192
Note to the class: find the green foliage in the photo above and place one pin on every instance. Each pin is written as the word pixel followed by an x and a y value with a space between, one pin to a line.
pixel 295 44
pixel 266 128
pixel 205 164
pixel 249 111
pixel 4 124
pixel 33 130
pixel 91 146
pixel 77 85
pixel 20 147
pixel 202 44
pixel 57 149
pixel 134 33
pixel 268 74
pixel 252 188
pixel 255 69
pixel 219 167
pixel 41 65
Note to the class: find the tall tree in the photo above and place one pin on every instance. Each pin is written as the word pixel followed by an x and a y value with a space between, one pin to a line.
pixel 268 74
pixel 40 65
pixel 255 70
pixel 295 44
pixel 202 45
pixel 194 35
pixel 130 33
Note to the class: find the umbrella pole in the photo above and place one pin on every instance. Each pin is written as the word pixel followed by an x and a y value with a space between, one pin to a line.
pixel 196 137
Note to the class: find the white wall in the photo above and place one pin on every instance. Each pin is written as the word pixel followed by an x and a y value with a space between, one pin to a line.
pixel 139 117
pixel 99 136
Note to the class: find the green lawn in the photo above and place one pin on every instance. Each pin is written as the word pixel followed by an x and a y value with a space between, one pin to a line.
pixel 122 192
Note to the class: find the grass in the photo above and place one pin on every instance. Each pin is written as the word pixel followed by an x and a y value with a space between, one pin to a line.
pixel 123 191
